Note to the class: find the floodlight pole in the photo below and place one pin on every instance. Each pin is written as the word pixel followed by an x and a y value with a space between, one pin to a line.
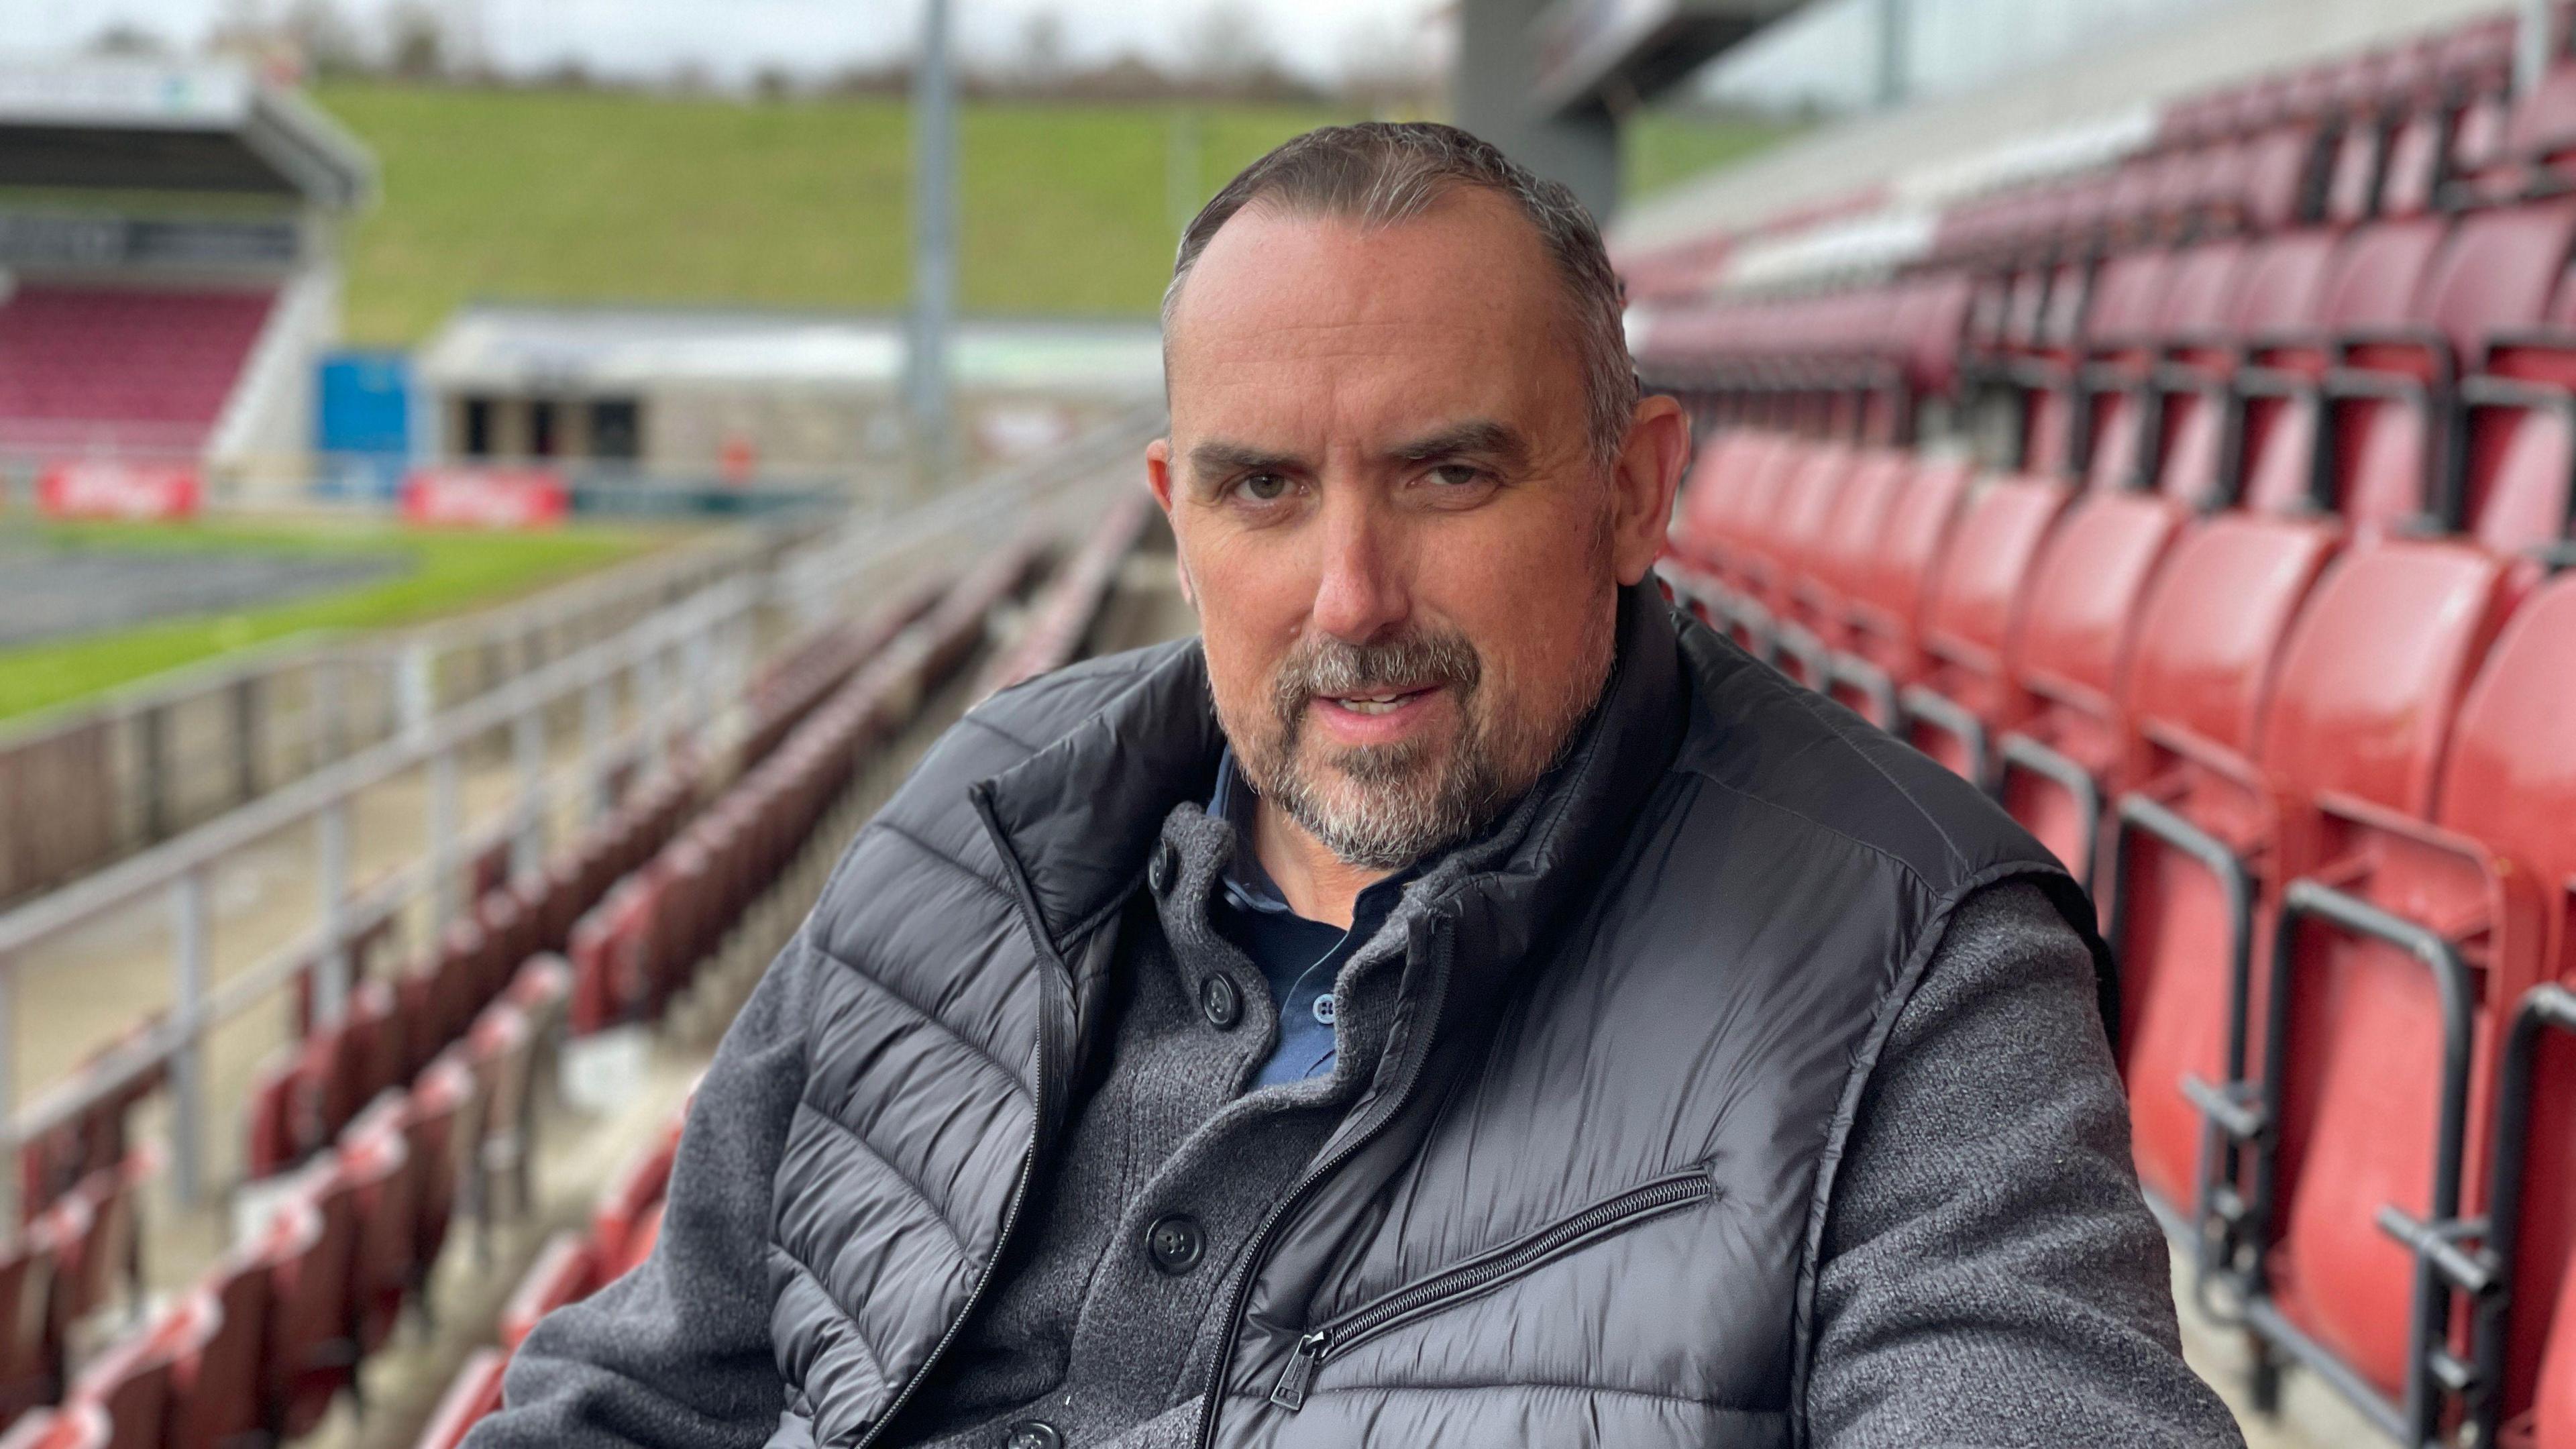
pixel 1891 52
pixel 2531 47
pixel 934 244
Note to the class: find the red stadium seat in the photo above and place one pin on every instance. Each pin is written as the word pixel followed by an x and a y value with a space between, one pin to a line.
pixel 1965 694
pixel 385 1182
pixel 1797 539
pixel 215 1386
pixel 1886 605
pixel 2354 1092
pixel 633 1193
pixel 2069 749
pixel 74 1426
pixel 2384 441
pixel 29 1364
pixel 562 1273
pixel 136 367
pixel 472 1394
pixel 132 1381
pixel 311 1353
pixel 440 1124
pixel 1818 624
pixel 2181 909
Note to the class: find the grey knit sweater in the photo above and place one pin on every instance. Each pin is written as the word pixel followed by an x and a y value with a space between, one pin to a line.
pixel 1991 1276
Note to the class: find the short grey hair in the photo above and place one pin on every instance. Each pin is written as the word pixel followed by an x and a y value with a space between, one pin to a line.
pixel 1379 173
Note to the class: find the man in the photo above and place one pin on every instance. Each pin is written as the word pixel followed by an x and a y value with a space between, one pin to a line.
pixel 1459 1001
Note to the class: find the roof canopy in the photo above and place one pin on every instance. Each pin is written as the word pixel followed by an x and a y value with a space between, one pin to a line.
pixel 143 126
pixel 1617 53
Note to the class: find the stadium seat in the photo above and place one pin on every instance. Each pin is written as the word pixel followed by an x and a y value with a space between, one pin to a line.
pixel 562 1273
pixel 500 1052
pixel 2181 907
pixel 2069 748
pixel 2384 434
pixel 2477 904
pixel 94 1236
pixel 131 1381
pixel 441 1120
pixel 30 1366
pixel 311 1352
pixel 146 368
pixel 472 1394
pixel 1818 622
pixel 632 1194
pixel 215 1385
pixel 1964 693
pixel 385 1186
pixel 74 1426
pixel 2279 292
pixel 1886 605
pixel 1797 538
pixel 2343 1111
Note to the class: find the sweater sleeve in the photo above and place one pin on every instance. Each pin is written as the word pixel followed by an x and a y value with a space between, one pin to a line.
pixel 676 1354
pixel 1990 1273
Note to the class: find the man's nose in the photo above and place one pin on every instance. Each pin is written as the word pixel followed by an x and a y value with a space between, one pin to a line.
pixel 1359 593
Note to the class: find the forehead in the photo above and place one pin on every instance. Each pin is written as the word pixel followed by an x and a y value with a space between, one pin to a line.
pixel 1458 307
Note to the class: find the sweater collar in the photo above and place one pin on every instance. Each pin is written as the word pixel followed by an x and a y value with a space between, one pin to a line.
pixel 1082 817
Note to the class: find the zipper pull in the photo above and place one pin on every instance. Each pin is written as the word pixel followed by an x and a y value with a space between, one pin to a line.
pixel 1290 1393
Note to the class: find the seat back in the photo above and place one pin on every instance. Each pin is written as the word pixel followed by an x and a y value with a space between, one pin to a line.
pixel 2371 683
pixel 1972 608
pixel 2282 286
pixel 311 1339
pixel 474 1393
pixel 2510 784
pixel 1798 533
pixel 2077 627
pixel 1839 560
pixel 215 1395
pixel 2376 669
pixel 2198 686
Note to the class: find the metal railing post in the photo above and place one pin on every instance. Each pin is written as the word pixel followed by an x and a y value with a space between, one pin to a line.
pixel 188 947
pixel 442 838
pixel 597 707
pixel 528 744
pixel 9 1205
pixel 331 845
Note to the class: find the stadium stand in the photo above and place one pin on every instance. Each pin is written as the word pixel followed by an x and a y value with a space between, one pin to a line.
pixel 2220 536
pixel 167 268
pixel 372 1133
pixel 800 786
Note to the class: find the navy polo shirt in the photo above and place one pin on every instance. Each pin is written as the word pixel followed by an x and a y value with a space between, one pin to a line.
pixel 1300 958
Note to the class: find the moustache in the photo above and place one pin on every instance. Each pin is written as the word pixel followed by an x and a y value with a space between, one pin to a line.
pixel 1328 668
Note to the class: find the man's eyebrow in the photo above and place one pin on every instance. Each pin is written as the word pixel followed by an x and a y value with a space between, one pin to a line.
pixel 1479 439
pixel 1217 458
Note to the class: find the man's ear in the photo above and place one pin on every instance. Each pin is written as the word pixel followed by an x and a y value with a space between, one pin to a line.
pixel 1158 478
pixel 1643 481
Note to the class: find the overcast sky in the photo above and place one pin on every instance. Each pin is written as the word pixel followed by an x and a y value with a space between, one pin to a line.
pixel 736 37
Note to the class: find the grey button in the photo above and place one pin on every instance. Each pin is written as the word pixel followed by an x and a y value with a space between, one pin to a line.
pixel 1175 1243
pixel 1222 1000
pixel 1165 864
pixel 1035 1434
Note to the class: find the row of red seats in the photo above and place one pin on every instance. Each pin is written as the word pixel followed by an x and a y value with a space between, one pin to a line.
pixel 796 789
pixel 639 947
pixel 260 1346
pixel 2322 779
pixel 2141 268
pixel 470 998
pixel 624 1225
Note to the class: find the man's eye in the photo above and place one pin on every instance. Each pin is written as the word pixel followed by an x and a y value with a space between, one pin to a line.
pixel 1457 475
pixel 1263 487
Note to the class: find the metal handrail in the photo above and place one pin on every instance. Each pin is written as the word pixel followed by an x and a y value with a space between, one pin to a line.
pixel 178 869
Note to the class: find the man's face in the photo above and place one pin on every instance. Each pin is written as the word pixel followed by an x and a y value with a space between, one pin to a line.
pixel 1402 549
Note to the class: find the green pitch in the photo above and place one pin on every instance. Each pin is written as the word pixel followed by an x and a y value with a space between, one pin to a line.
pixel 439 573
pixel 590 196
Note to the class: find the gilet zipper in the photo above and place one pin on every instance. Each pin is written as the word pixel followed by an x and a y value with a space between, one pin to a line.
pixel 1468 1279
pixel 1259 1245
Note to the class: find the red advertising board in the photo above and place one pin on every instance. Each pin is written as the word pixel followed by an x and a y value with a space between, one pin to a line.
pixel 486 497
pixel 114 488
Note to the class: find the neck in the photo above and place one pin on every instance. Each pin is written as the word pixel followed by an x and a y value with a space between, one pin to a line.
pixel 1316 883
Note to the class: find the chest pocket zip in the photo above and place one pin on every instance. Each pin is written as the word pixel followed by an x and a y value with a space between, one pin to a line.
pixel 1480 1275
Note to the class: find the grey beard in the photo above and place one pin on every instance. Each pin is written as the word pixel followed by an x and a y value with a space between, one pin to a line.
pixel 1396 804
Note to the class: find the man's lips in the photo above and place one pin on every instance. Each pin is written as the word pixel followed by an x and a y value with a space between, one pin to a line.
pixel 1376 715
